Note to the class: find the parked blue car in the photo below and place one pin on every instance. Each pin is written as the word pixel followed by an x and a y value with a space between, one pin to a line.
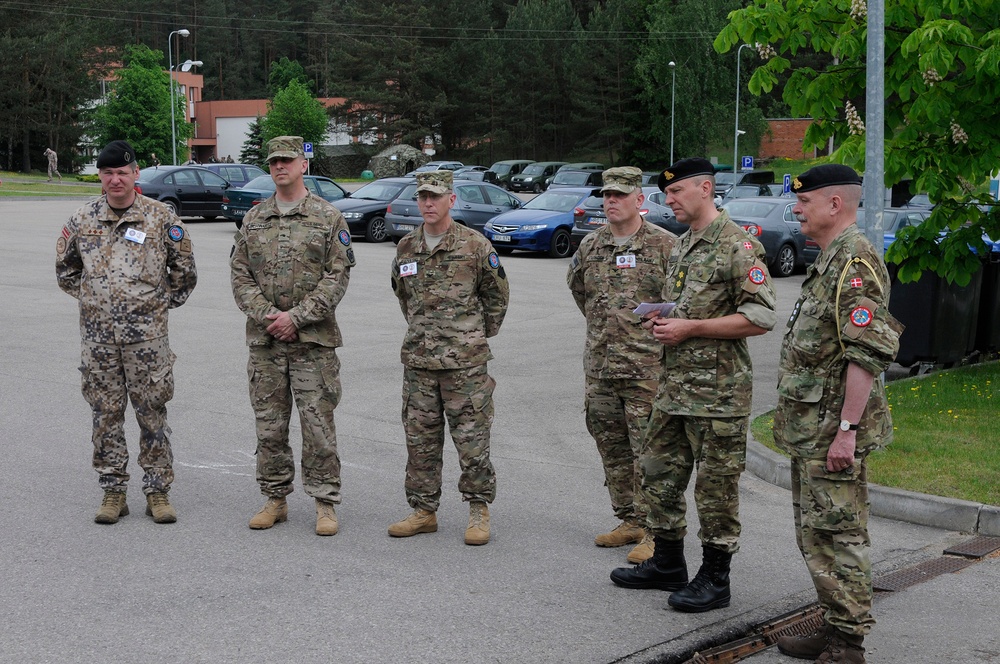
pixel 543 224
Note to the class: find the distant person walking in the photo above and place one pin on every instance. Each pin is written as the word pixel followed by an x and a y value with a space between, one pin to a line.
pixel 53 158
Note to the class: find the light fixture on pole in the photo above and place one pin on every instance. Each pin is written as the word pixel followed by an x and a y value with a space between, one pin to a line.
pixel 736 134
pixel 170 63
pixel 673 90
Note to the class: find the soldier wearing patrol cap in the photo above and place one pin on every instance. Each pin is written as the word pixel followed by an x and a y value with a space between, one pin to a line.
pixel 290 269
pixel 128 260
pixel 722 294
pixel 832 408
pixel 454 294
pixel 615 269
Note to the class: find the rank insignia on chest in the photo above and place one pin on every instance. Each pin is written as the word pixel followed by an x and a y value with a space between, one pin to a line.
pixel 680 280
pixel 861 317
pixel 856 282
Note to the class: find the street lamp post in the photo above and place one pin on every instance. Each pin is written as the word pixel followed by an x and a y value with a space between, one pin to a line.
pixel 170 62
pixel 673 90
pixel 737 132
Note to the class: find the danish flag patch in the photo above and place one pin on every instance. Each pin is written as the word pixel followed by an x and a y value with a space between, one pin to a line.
pixel 748 245
pixel 856 282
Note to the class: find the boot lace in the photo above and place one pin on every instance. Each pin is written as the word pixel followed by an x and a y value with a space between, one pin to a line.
pixel 476 516
pixel 158 499
pixel 110 498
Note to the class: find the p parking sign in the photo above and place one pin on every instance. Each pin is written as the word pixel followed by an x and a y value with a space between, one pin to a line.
pixel 308 149
pixel 746 163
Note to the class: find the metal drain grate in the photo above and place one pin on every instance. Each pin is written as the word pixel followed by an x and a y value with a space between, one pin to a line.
pixel 919 573
pixel 977 547
pixel 801 621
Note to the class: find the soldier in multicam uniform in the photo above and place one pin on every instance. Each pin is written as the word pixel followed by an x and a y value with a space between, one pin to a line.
pixel 53 159
pixel 454 294
pixel 723 294
pixel 290 269
pixel 615 269
pixel 127 259
pixel 832 408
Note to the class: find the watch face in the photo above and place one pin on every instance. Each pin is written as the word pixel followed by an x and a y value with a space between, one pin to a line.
pixel 845 425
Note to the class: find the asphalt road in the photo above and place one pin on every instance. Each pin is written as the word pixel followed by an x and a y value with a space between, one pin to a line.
pixel 208 589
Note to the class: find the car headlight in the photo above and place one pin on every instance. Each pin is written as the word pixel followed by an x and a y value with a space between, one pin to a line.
pixel 488 226
pixel 533 227
pixel 528 179
pixel 353 215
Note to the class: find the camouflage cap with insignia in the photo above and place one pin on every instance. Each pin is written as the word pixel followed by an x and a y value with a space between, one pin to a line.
pixel 684 169
pixel 285 147
pixel 827 175
pixel 115 155
pixel 436 182
pixel 625 179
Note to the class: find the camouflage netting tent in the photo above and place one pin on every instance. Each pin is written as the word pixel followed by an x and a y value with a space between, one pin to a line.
pixel 396 160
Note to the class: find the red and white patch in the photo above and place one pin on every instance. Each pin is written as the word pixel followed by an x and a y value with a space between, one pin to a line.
pixel 856 282
pixel 756 276
pixel 65 232
pixel 748 245
pixel 861 317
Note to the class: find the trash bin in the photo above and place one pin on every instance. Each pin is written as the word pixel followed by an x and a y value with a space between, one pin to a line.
pixel 940 318
pixel 367 175
pixel 988 327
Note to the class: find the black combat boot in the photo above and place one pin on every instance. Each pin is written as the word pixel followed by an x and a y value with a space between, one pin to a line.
pixel 666 570
pixel 710 587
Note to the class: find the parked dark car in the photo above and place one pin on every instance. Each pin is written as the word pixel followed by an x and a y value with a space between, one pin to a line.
pixel 365 209
pixel 475 204
pixel 751 190
pixel 469 169
pixel 501 172
pixel 543 224
pixel 237 174
pixel 770 220
pixel 437 166
pixel 190 191
pixel 725 180
pixel 535 176
pixel 564 179
pixel 577 166
pixel 589 216
pixel 239 201
pixel 472 176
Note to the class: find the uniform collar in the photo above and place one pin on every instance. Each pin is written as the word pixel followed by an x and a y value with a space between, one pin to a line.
pixel 840 242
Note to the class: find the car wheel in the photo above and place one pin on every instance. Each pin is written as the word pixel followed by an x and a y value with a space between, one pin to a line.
pixel 172 206
pixel 784 261
pixel 537 188
pixel 560 245
pixel 375 230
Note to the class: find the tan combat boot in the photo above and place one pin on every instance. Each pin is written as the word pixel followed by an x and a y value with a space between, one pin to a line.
pixel 421 521
pixel 158 506
pixel 642 551
pixel 478 532
pixel 805 646
pixel 627 532
pixel 843 648
pixel 112 507
pixel 275 510
pixel 326 519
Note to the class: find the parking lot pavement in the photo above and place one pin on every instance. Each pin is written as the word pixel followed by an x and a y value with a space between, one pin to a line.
pixel 208 589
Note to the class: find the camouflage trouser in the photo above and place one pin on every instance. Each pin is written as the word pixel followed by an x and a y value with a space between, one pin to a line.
pixel 466 397
pixel 312 374
pixel 112 375
pixel 831 529
pixel 674 445
pixel 617 414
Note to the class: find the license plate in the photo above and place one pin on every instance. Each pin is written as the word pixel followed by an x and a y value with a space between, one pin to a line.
pixel 597 221
pixel 501 238
pixel 239 213
pixel 405 227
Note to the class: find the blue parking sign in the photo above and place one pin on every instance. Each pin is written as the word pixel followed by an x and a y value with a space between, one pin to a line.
pixel 786 184
pixel 746 163
pixel 308 149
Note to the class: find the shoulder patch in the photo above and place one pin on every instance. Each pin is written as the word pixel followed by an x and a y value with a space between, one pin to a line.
pixel 861 317
pixel 175 233
pixel 494 260
pixel 350 256
pixel 345 238
pixel 756 275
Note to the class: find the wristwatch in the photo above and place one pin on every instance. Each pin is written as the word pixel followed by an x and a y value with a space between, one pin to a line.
pixel 845 425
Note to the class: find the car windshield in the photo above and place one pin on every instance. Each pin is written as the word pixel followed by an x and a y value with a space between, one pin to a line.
pixel 570 177
pixel 409 192
pixel 743 191
pixel 748 207
pixel 534 169
pixel 500 169
pixel 554 201
pixel 262 183
pixel 724 178
pixel 378 191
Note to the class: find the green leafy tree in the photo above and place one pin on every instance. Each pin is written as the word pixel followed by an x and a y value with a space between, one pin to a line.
pixel 137 109
pixel 295 112
pixel 253 151
pixel 283 72
pixel 942 112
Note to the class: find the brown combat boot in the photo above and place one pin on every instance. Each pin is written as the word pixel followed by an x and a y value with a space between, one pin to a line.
pixel 326 519
pixel 113 506
pixel 627 532
pixel 158 506
pixel 275 510
pixel 805 646
pixel 478 532
pixel 642 551
pixel 843 648
pixel 421 521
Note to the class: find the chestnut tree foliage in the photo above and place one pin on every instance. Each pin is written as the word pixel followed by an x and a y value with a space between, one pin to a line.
pixel 942 110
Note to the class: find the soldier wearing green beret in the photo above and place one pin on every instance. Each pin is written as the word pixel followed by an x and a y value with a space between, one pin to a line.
pixel 615 269
pixel 722 294
pixel 832 408
pixel 453 292
pixel 290 269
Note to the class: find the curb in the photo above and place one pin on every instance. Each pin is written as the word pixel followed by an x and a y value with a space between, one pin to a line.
pixel 899 504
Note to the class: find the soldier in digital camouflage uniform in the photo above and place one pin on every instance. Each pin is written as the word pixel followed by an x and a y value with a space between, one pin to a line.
pixel 832 408
pixel 290 269
pixel 454 294
pixel 53 164
pixel 723 294
pixel 127 259
pixel 615 269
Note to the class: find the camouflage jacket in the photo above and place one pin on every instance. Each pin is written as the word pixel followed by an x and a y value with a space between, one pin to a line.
pixel 125 272
pixel 453 298
pixel 298 262
pixel 813 368
pixel 608 281
pixel 718 273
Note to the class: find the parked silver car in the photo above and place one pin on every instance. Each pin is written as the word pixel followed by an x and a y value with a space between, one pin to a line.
pixel 770 220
